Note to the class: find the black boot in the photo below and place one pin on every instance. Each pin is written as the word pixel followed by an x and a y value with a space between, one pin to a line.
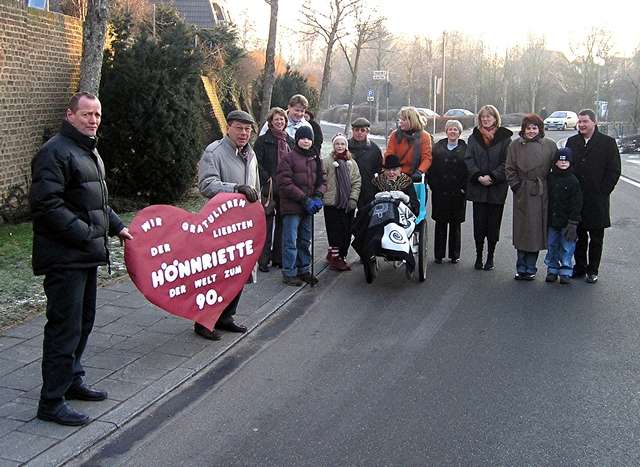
pixel 491 248
pixel 478 263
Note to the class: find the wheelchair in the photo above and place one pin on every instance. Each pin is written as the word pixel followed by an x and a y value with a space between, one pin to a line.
pixel 418 245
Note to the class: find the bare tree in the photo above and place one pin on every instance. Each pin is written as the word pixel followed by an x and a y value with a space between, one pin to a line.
pixel 533 66
pixel 330 26
pixel 591 54
pixel 269 74
pixel 93 35
pixel 367 28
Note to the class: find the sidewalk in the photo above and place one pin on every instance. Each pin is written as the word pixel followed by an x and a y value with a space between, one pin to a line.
pixel 136 352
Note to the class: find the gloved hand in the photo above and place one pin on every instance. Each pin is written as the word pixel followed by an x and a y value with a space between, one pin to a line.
pixel 353 204
pixel 416 177
pixel 317 205
pixel 309 205
pixel 570 232
pixel 248 191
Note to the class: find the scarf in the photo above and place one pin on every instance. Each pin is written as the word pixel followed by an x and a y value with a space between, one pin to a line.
pixel 343 181
pixel 487 134
pixel 281 141
pixel 413 140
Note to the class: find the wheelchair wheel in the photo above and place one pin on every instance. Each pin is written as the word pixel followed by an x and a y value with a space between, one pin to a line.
pixel 421 262
pixel 370 267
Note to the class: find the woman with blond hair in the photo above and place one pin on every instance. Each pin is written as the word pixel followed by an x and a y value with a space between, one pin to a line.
pixel 410 143
pixel 487 187
pixel 270 147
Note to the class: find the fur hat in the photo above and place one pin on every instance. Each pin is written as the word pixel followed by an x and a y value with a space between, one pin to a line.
pixel 304 131
pixel 338 137
pixel 391 162
pixel 564 154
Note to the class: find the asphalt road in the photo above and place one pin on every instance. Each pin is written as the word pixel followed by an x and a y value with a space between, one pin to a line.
pixel 467 368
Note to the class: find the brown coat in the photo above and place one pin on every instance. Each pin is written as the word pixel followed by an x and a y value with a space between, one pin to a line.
pixel 528 164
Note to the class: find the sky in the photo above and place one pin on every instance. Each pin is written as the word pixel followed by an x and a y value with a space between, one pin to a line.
pixel 500 24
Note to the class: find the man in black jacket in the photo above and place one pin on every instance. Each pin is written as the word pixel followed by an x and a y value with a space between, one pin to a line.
pixel 368 156
pixel 596 164
pixel 71 222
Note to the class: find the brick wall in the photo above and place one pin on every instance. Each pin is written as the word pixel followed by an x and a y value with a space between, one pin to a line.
pixel 40 56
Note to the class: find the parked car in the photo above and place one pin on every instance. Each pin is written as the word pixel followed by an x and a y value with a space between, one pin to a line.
pixel 458 113
pixel 561 120
pixel 427 112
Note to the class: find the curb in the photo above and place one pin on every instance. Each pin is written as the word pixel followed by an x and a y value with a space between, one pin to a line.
pixel 115 419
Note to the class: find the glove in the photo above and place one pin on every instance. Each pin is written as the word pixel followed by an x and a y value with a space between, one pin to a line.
pixel 317 205
pixel 570 232
pixel 309 205
pixel 353 204
pixel 416 177
pixel 515 187
pixel 248 191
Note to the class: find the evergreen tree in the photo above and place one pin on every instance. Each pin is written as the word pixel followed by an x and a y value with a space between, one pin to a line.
pixel 286 85
pixel 152 130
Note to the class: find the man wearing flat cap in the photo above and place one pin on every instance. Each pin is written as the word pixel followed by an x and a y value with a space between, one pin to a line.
pixel 229 165
pixel 367 155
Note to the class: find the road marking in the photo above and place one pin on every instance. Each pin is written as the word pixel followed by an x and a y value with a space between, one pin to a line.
pixel 630 181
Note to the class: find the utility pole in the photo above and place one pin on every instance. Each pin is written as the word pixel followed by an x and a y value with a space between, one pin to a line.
pixel 444 59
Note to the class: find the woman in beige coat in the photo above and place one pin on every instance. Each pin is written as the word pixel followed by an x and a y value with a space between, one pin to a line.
pixel 529 160
pixel 340 200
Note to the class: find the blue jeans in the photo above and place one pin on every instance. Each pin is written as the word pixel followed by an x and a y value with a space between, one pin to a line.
pixel 526 263
pixel 296 244
pixel 559 253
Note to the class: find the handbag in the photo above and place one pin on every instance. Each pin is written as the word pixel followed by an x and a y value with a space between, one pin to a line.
pixel 268 203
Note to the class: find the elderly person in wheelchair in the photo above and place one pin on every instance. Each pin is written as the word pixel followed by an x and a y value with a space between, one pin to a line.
pixel 385 227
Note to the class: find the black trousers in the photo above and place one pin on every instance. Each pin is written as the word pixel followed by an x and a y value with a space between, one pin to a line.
pixel 589 241
pixel 486 222
pixel 71 310
pixel 440 239
pixel 272 251
pixel 338 224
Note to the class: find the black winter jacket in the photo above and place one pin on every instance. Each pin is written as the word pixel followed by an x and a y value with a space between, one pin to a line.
pixel 368 156
pixel 266 149
pixel 447 178
pixel 565 198
pixel 597 167
pixel 71 217
pixel 487 160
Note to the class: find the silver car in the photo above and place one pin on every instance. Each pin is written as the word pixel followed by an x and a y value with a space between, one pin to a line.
pixel 561 120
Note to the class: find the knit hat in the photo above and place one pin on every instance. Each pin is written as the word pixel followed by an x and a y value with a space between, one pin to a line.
pixel 360 122
pixel 564 154
pixel 304 132
pixel 339 137
pixel 391 162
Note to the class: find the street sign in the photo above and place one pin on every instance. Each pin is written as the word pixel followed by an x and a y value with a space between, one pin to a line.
pixel 370 95
pixel 370 98
pixel 380 75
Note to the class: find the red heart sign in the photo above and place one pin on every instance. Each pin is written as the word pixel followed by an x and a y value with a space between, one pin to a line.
pixel 193 264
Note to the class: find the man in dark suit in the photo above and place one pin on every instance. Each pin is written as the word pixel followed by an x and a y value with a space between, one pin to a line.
pixel 596 163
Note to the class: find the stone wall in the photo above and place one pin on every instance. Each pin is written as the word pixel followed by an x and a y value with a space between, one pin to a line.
pixel 40 56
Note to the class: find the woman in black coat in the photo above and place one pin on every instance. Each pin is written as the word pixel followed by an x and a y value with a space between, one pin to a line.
pixel 447 178
pixel 269 149
pixel 487 188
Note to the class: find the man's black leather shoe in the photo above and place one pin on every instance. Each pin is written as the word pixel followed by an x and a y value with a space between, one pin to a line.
pixel 62 414
pixel 230 326
pixel 83 392
pixel 212 335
